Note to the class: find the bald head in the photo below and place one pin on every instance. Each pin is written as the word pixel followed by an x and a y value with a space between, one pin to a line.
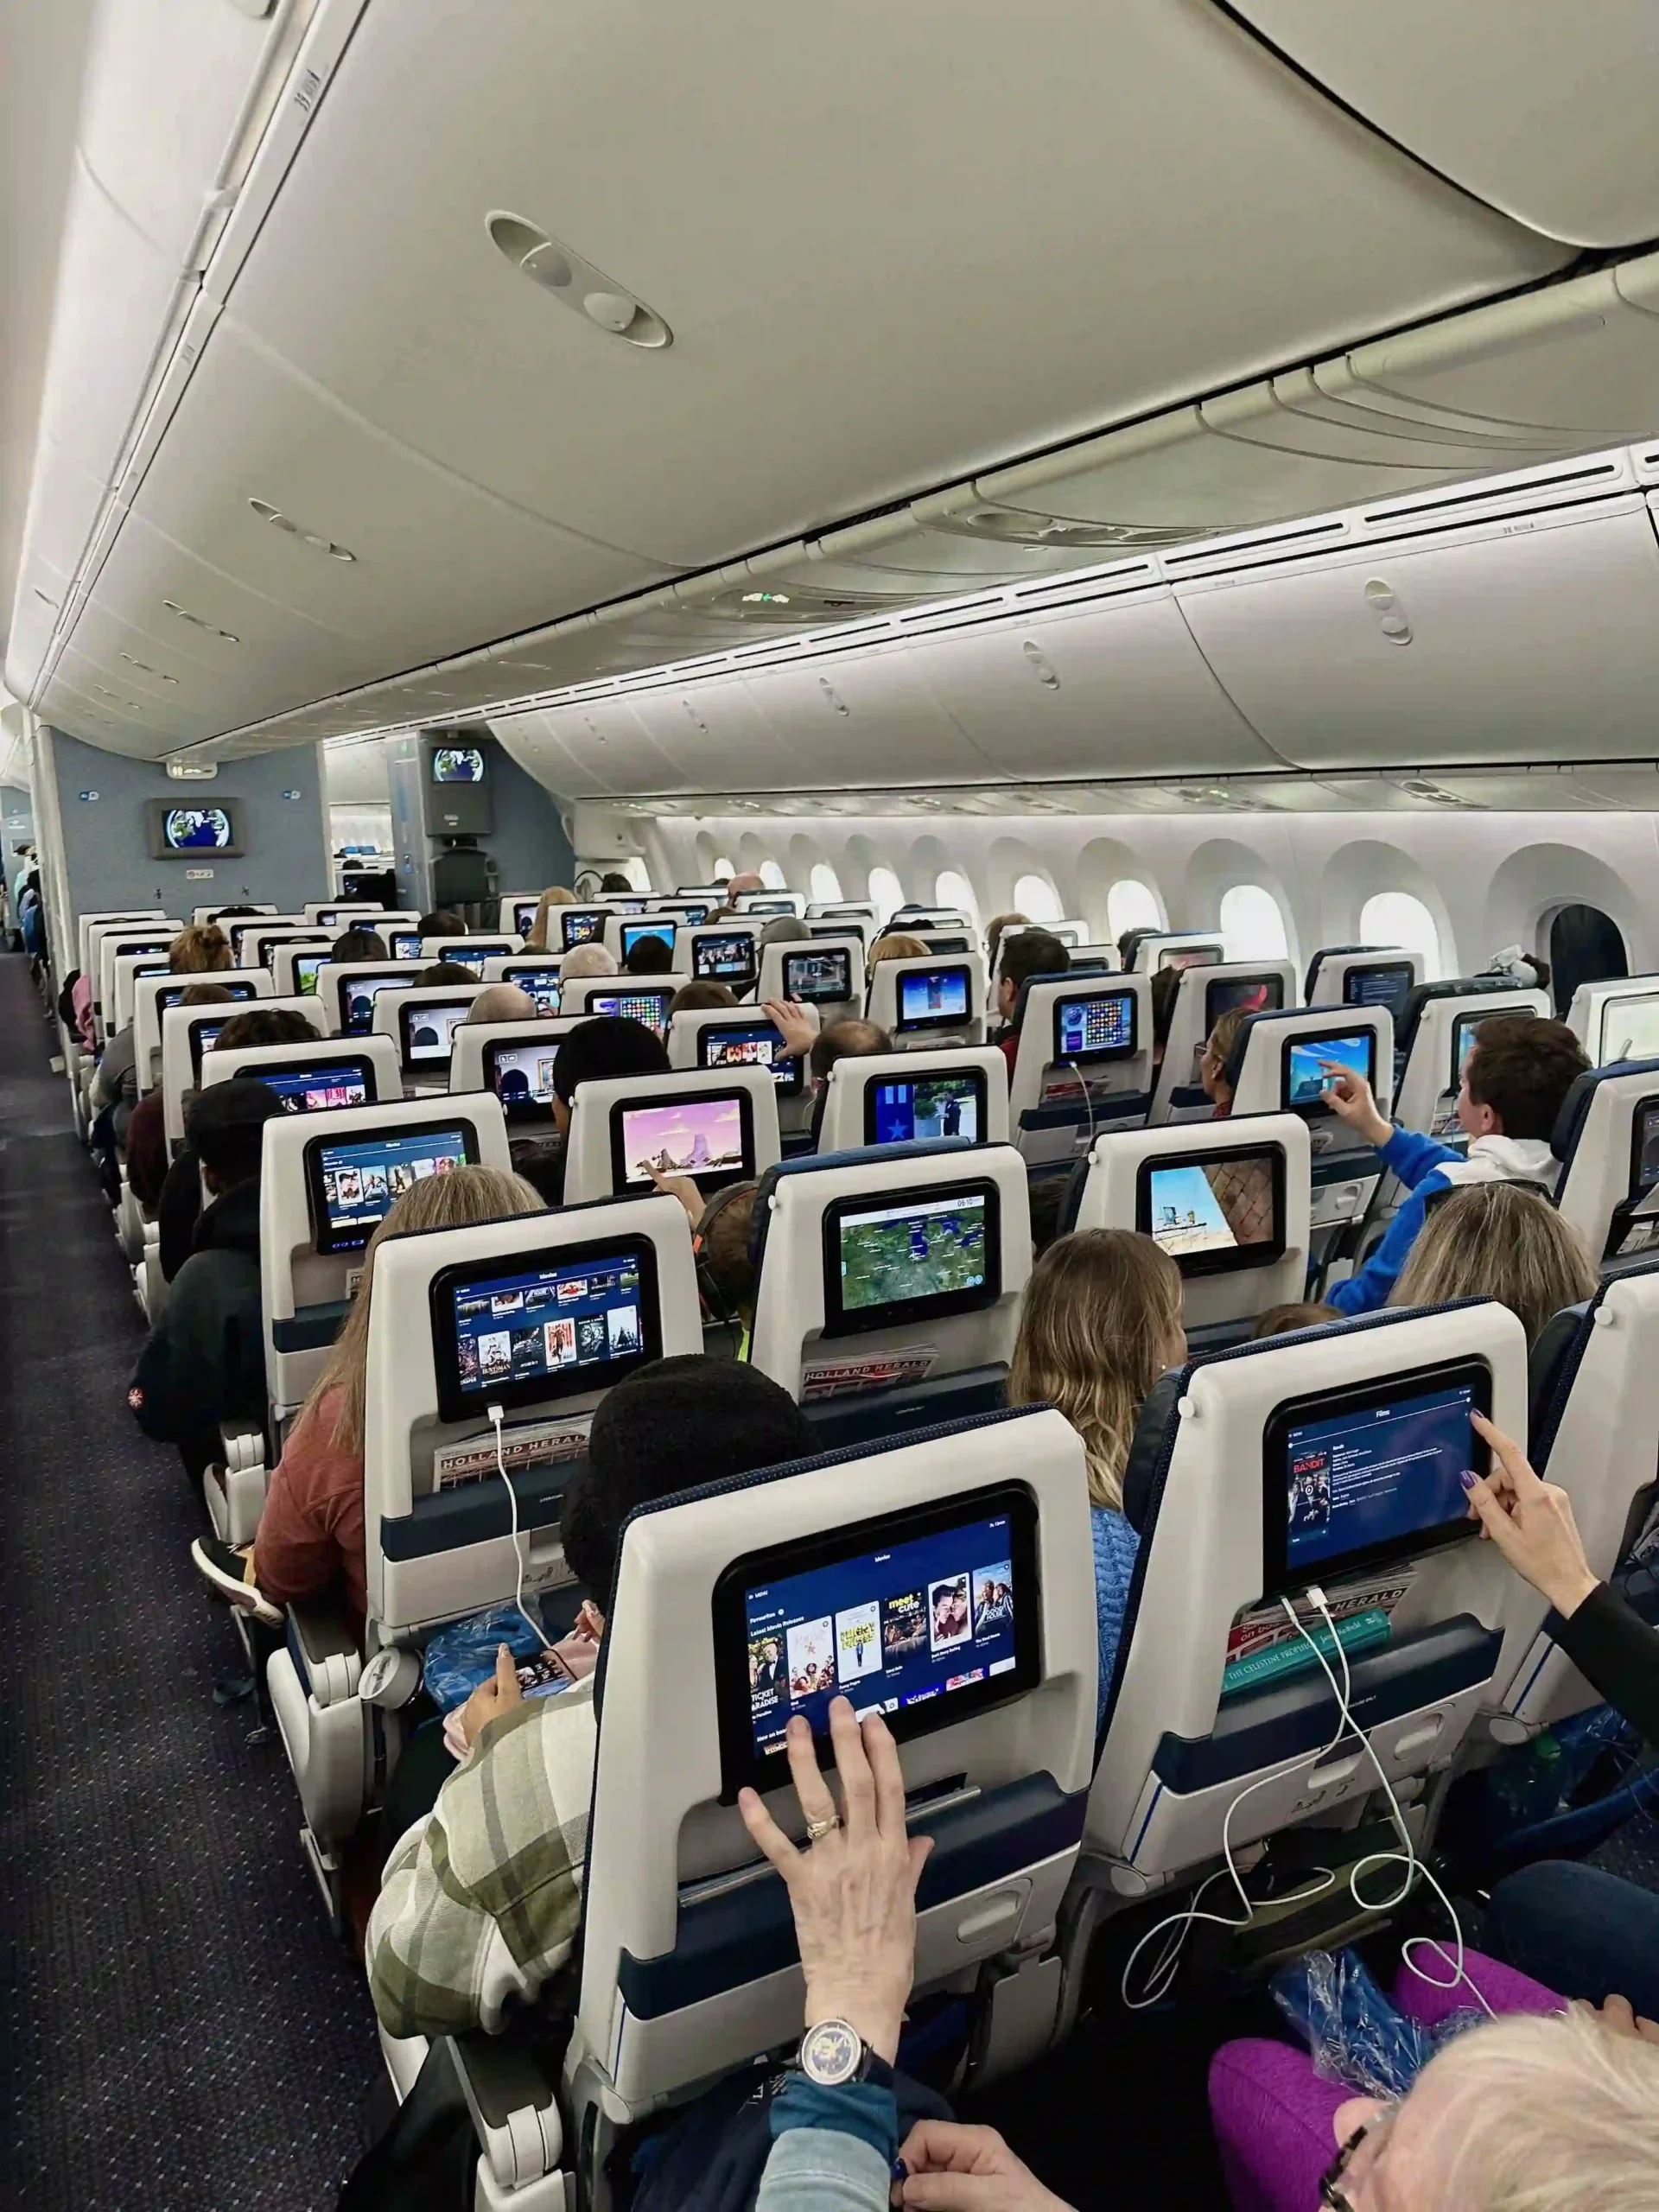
pixel 748 882
pixel 503 1002
pixel 586 960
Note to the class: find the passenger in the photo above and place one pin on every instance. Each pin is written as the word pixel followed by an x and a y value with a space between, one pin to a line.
pixel 720 1236
pixel 895 944
pixel 502 1002
pixel 1212 1062
pixel 1514 1083
pixel 784 929
pixel 1165 990
pixel 358 944
pixel 1100 1322
pixel 607 1046
pixel 995 930
pixel 1283 1320
pixel 441 923
pixel 1034 952
pixel 203 949
pixel 853 1038
pixel 205 1361
pixel 310 1538
pixel 648 955
pixel 443 972
pixel 590 959
pixel 482 1903
pixel 1498 1241
pixel 146 1151
pixel 178 1204
pixel 614 884
pixel 699 997
pixel 748 881
pixel 538 939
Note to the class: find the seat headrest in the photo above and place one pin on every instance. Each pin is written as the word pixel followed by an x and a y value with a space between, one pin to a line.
pixel 812 1163
pixel 1234 1066
pixel 1054 975
pixel 1327 952
pixel 1146 1447
pixel 1575 1107
pixel 1420 995
pixel 1551 1365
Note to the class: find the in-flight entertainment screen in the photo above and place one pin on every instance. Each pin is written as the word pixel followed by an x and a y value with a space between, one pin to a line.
pixel 352 1184
pixel 708 1135
pixel 1216 1212
pixel 911 1254
pixel 548 1325
pixel 948 1104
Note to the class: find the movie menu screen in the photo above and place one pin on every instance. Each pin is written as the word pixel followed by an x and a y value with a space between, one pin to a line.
pixel 583 1313
pixel 1376 1473
pixel 359 1183
pixel 314 1089
pixel 728 958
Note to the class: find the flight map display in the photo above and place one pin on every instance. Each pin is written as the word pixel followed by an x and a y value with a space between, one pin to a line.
pixel 196 829
pixel 921 1250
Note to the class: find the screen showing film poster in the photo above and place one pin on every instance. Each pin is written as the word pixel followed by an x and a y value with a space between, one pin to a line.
pixel 888 1630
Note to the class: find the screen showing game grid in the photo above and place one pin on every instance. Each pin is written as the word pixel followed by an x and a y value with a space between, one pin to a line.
pixel 1464 1031
pixel 635 932
pixel 1214 1213
pixel 1311 1064
pixel 728 958
pixel 580 924
pixel 948 1105
pixel 541 984
pixel 458 764
pixel 1377 1472
pixel 1389 986
pixel 521 1076
pixel 1101 1028
pixel 1629 1028
pixel 360 995
pixel 818 978
pixel 895 1628
pixel 428 1029
pixel 927 996
pixel 916 1253
pixel 1242 994
pixel 649 1008
pixel 702 1136
pixel 354 1184
pixel 316 1089
pixel 238 987
pixel 578 1316
pixel 719 1046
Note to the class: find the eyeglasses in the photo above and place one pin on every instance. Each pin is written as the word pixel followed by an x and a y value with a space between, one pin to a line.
pixel 1356 2160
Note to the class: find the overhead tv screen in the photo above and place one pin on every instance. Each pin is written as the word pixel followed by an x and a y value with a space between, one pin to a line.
pixel 194 832
pixel 458 764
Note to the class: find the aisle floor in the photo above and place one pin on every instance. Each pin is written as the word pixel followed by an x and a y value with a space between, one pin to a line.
pixel 181 2033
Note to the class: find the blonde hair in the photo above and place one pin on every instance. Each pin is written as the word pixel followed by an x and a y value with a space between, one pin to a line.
pixel 1502 1241
pixel 896 945
pixel 460 1199
pixel 1541 2114
pixel 589 959
pixel 1100 1321
pixel 202 949
pixel 556 895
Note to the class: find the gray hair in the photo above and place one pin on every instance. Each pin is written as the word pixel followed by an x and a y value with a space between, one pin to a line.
pixel 587 960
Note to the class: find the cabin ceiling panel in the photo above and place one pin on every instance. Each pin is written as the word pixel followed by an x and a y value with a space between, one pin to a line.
pixel 715 732
pixel 867 718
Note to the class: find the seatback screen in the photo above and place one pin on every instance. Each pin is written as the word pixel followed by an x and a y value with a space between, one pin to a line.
pixel 405 944
pixel 708 1135
pixel 470 955
pixel 318 1089
pixel 1644 1151
pixel 428 1028
pixel 931 998
pixel 910 1254
pixel 768 906
pixel 353 1184
pixel 1216 1212
pixel 552 1323
pixel 306 965
pixel 359 996
pixel 239 987
pixel 757 1045
pixel 1371 1473
pixel 1099 1027
pixel 204 1035
pixel 1387 986
pixel 635 932
pixel 1184 957
pixel 1465 1030
pixel 728 957
pixel 1629 1028
pixel 521 1074
pixel 580 924
pixel 264 947
pixel 648 1006
pixel 523 916
pixel 1246 994
pixel 1310 1065
pixel 541 984
pixel 949 1104
pixel 818 978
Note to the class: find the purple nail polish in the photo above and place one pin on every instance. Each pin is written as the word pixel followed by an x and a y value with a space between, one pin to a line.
pixel 1468 1479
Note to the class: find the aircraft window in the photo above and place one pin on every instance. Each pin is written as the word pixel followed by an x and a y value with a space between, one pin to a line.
pixel 1395 917
pixel 1131 906
pixel 637 872
pixel 1036 897
pixel 772 876
pixel 954 890
pixel 1252 924
pixel 887 892
pixel 824 885
pixel 724 870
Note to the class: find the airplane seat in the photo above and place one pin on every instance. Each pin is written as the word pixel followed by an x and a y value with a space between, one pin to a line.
pixel 1207 991
pixel 188 1035
pixel 1155 948
pixel 826 973
pixel 618 1285
pixel 690 1964
pixel 881 1098
pixel 1083 1062
pixel 1606 1137
pixel 931 1000
pixel 1617 1019
pixel 514 1059
pixel 469 952
pixel 718 1125
pixel 322 1076
pixel 1434 1036
pixel 622 931
pixel 644 999
pixel 1363 975
pixel 153 996
pixel 1595 1374
pixel 735 1036
pixel 423 1021
pixel 535 973
pixel 846 1318
pixel 1214 1735
pixel 1228 1201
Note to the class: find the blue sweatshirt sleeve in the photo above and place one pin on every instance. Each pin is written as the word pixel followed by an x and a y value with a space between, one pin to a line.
pixel 1415 1159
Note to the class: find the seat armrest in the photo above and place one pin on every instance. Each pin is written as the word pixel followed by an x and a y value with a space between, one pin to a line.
pixel 513 2105
pixel 243 1444
pixel 325 1652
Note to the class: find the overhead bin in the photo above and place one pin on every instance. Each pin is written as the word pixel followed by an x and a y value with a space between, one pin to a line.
pixel 717 738
pixel 1518 637
pixel 1543 111
pixel 863 717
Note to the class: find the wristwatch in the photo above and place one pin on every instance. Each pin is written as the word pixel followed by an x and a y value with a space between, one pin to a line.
pixel 833 2053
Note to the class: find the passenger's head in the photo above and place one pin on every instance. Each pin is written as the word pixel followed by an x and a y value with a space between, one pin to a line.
pixel 441 923
pixel 224 1126
pixel 589 959
pixel 700 998
pixel 1034 952
pixel 851 1039
pixel 207 994
pixel 1100 1322
pixel 502 1002
pixel 648 955
pixel 203 949
pixel 1502 1241
pixel 1165 990
pixel 449 973
pixel 676 1423
pixel 1517 1079
pixel 556 895
pixel 1531 2113
pixel 722 1244
pixel 1217 1051
pixel 896 944
pixel 457 1200
pixel 785 929
pixel 265 1024
pixel 748 881
pixel 614 884
pixel 358 944
pixel 1282 1320
pixel 994 932
pixel 606 1046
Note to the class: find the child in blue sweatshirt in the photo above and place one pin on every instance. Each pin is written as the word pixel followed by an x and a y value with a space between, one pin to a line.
pixel 1514 1083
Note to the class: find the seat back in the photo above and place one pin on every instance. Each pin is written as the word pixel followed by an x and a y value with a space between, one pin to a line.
pixel 889 1265
pixel 469 952
pixel 1083 1061
pixel 881 1098
pixel 350 990
pixel 624 932
pixel 130 970
pixel 827 972
pixel 1434 1036
pixel 259 946
pixel 515 913
pixel 924 1003
pixel 1328 1458
pixel 541 1314
pixel 770 904
pixel 108 918
pixel 241 927
pixel 153 994
pixel 1207 992
pixel 536 973
pixel 718 1125
pixel 838 910
pixel 723 952
pixel 1156 949
pixel 109 942
pixel 644 999
pixel 1276 1068
pixel 726 1037
pixel 514 1059
pixel 1606 1137
pixel 188 1034
pixel 876 1563
pixel 297 964
pixel 324 1076
pixel 1363 974
pixel 327 1181
pixel 423 1021
pixel 848 925
pixel 1226 1200
pixel 1617 1019
pixel 339 914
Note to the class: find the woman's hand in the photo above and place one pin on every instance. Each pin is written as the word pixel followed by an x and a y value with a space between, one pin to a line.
pixel 1351 1099
pixel 852 1893
pixel 1531 1523
pixel 492 1699
pixel 956 2169
pixel 793 1024
pixel 682 1188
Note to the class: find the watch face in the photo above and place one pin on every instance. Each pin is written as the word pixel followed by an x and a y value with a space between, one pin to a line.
pixel 831 2053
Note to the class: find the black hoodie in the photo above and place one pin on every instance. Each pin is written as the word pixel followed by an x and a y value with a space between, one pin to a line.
pixel 205 1361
